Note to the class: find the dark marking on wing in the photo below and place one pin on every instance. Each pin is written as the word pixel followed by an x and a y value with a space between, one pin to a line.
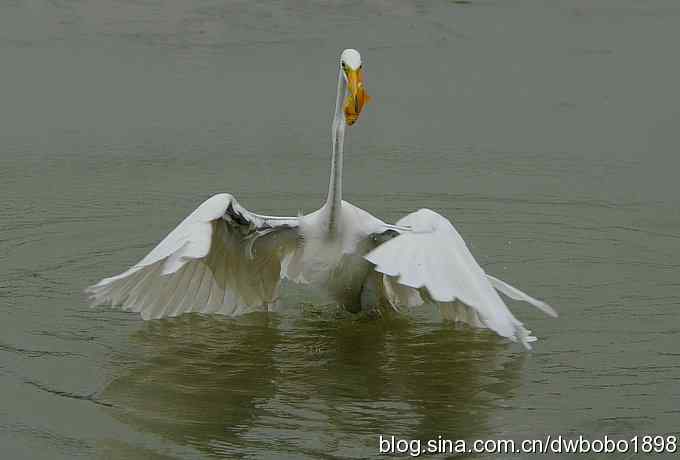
pixel 252 228
pixel 236 216
pixel 380 238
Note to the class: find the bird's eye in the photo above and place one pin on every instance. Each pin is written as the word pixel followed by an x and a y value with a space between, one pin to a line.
pixel 344 66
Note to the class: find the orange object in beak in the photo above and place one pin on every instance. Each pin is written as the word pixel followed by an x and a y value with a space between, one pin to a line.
pixel 357 98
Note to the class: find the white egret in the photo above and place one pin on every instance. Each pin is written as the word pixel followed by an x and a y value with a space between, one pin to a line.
pixel 227 260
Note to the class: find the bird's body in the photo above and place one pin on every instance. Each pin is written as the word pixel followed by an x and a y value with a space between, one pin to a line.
pixel 335 260
pixel 227 260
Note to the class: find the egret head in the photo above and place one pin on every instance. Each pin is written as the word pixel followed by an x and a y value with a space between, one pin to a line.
pixel 350 64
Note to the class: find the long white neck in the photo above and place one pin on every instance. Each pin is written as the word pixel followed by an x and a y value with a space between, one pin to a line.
pixel 333 202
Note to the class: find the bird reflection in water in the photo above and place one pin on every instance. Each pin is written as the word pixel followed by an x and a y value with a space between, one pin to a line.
pixel 310 384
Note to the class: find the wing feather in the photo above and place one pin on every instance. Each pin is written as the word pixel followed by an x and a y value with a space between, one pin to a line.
pixel 220 259
pixel 431 259
pixel 516 294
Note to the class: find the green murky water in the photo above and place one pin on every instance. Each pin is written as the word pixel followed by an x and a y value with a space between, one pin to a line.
pixel 547 131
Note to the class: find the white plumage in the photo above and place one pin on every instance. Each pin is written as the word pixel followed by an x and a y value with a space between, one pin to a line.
pixel 224 259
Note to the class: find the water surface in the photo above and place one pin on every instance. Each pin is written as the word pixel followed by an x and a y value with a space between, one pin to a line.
pixel 547 132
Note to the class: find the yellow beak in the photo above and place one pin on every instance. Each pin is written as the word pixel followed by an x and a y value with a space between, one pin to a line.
pixel 357 98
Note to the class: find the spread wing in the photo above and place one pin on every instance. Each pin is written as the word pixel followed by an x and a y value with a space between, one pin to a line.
pixel 431 262
pixel 221 259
